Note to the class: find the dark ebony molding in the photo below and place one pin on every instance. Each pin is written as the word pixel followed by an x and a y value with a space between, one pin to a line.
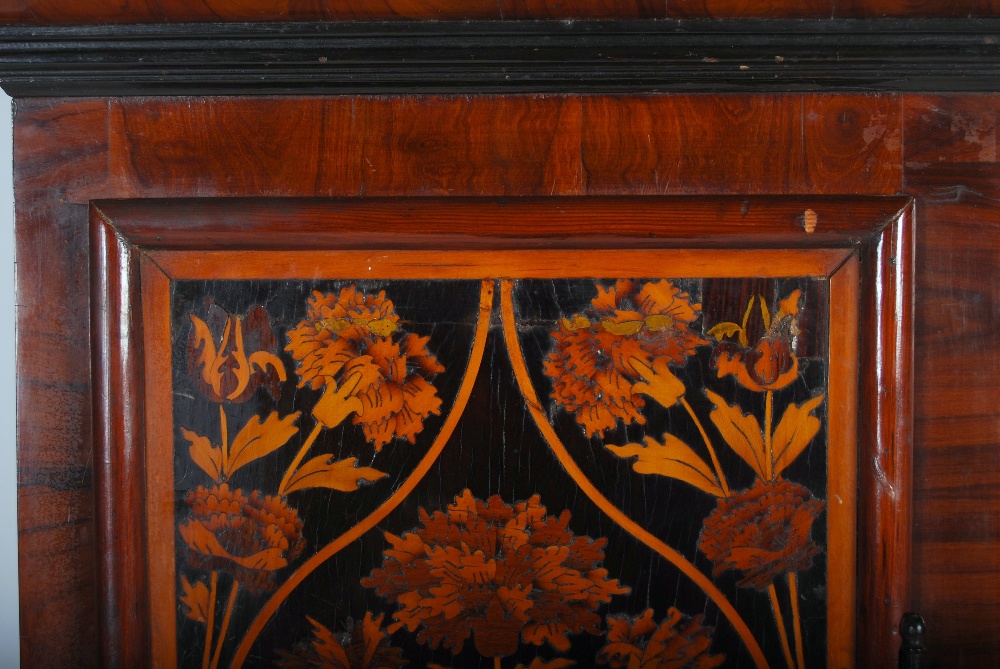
pixel 501 57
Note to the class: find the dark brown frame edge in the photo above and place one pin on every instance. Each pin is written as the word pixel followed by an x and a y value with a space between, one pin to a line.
pixel 879 228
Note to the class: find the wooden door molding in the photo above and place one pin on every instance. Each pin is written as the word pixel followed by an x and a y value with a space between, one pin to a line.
pixel 463 57
pixel 864 245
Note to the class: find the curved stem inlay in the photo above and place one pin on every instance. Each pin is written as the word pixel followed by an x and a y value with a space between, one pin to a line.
pixel 394 500
pixel 602 502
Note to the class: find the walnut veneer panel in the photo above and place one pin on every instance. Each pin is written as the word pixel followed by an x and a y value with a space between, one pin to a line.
pixel 226 147
pixel 348 146
pixel 691 9
pixel 56 12
pixel 60 161
pixel 951 164
pixel 757 144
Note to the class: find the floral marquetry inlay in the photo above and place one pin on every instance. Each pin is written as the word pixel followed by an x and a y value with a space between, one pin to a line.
pixel 583 472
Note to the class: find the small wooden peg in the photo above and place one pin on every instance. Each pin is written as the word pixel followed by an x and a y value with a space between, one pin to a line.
pixel 809 219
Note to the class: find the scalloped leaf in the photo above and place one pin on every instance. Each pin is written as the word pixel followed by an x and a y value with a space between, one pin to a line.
pixel 741 431
pixel 323 472
pixel 723 330
pixel 795 430
pixel 203 454
pixel 195 600
pixel 258 439
pixel 201 539
pixel 673 459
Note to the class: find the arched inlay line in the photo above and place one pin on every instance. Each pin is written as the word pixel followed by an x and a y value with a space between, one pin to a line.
pixel 394 500
pixel 591 491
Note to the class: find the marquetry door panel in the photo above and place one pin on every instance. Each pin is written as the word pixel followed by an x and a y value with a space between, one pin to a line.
pixel 500 450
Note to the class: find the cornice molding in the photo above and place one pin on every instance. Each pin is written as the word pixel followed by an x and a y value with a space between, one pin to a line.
pixel 502 57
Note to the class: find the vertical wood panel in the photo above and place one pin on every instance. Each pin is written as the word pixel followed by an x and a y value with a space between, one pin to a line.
pixel 472 146
pixel 60 157
pixel 950 158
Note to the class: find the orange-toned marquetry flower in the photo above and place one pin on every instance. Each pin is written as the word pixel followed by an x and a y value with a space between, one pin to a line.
pixel 364 646
pixel 249 537
pixel 600 354
pixel 230 356
pixel 500 573
pixel 679 642
pixel 352 346
pixel 763 532
pixel 770 364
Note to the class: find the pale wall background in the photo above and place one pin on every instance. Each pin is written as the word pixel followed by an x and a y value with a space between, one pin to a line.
pixel 9 646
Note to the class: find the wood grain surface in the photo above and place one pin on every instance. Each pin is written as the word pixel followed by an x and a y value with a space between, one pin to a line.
pixel 60 160
pixel 55 12
pixel 941 149
pixel 685 144
pixel 951 164
pixel 119 447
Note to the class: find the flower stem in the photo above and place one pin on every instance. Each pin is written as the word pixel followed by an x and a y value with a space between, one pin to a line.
pixel 225 624
pixel 224 423
pixel 793 593
pixel 768 446
pixel 298 458
pixel 212 594
pixel 780 622
pixel 708 445
pixel 496 662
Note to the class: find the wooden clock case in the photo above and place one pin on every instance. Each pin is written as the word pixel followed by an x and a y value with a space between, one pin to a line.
pixel 912 116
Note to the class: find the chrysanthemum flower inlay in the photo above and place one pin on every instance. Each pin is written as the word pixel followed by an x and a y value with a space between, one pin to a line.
pixel 250 537
pixel 353 343
pixel 591 363
pixel 497 572
pixel 763 532
pixel 679 642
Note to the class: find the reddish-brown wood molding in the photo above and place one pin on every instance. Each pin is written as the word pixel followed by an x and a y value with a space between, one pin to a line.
pixel 119 448
pixel 941 149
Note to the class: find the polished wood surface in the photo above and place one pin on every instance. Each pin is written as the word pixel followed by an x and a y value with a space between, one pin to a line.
pixel 941 149
pixel 53 12
pixel 951 165
pixel 735 234
pixel 119 448
pixel 812 144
